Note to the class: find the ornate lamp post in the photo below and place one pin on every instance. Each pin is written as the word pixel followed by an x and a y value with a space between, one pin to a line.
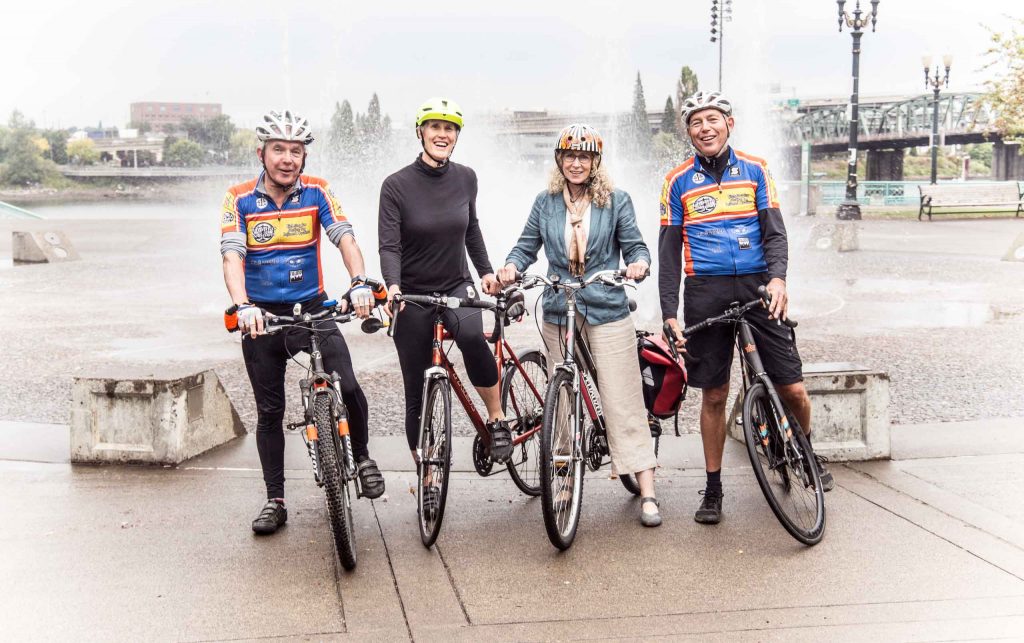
pixel 850 208
pixel 721 13
pixel 936 82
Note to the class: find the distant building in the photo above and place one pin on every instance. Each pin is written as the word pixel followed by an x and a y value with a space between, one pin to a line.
pixel 170 115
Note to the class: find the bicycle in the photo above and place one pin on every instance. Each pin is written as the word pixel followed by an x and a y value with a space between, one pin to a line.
pixel 566 442
pixel 780 454
pixel 325 429
pixel 522 377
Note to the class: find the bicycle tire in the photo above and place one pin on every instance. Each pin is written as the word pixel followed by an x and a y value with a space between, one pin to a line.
pixel 435 458
pixel 524 412
pixel 562 414
pixel 339 502
pixel 788 476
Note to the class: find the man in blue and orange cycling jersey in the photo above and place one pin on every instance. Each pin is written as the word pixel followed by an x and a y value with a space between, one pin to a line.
pixel 271 231
pixel 721 226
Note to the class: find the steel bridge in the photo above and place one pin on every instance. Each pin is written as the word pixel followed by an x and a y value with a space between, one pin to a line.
pixel 893 122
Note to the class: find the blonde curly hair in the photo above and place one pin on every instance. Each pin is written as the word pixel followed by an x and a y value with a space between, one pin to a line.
pixel 600 188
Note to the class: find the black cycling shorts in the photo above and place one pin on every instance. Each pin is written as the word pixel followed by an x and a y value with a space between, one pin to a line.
pixel 712 348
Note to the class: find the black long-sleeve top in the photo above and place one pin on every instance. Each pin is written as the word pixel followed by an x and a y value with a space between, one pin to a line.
pixel 427 223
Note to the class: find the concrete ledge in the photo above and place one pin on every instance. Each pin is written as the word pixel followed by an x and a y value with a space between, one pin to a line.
pixel 1016 250
pixel 837 236
pixel 50 246
pixel 154 420
pixel 849 411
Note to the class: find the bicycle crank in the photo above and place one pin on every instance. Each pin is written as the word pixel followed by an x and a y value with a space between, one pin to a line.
pixel 482 461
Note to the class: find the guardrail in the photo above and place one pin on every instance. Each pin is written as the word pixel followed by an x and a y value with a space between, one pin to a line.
pixel 6 209
pixel 892 193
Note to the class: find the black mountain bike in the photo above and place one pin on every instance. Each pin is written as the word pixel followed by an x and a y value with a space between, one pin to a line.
pixel 780 453
pixel 325 428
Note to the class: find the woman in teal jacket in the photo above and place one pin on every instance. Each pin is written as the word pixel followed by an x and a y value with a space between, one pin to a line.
pixel 585 226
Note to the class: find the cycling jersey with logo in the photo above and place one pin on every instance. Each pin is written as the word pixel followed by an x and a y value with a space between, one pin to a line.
pixel 721 231
pixel 281 245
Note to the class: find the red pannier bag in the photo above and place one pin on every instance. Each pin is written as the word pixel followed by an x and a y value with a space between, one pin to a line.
pixel 664 378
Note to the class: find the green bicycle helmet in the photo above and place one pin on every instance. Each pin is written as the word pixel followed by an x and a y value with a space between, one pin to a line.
pixel 441 109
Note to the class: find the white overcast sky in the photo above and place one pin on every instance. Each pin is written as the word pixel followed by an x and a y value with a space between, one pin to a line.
pixel 79 63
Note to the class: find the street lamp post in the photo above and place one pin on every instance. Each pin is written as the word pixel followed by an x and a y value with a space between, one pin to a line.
pixel 850 208
pixel 719 16
pixel 936 83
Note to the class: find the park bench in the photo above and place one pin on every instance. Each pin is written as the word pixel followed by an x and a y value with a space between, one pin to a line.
pixel 983 197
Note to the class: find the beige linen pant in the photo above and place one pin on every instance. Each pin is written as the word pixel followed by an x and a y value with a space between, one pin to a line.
pixel 613 346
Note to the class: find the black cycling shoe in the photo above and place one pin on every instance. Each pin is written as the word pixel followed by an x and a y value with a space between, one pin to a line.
pixel 710 511
pixel 501 441
pixel 828 483
pixel 271 517
pixel 371 480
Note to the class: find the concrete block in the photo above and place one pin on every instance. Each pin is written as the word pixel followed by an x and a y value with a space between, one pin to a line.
pixel 1016 250
pixel 837 236
pixel 42 247
pixel 849 411
pixel 154 420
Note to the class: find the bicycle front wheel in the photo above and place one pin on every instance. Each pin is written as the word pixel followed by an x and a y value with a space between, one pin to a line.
pixel 332 463
pixel 561 460
pixel 523 405
pixel 784 466
pixel 435 460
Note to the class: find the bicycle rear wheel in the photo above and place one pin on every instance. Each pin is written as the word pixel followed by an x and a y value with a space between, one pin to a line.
pixel 629 480
pixel 332 463
pixel 784 466
pixel 524 412
pixel 561 460
pixel 435 460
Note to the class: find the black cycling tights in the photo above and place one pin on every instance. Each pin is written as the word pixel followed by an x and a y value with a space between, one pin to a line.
pixel 414 340
pixel 266 358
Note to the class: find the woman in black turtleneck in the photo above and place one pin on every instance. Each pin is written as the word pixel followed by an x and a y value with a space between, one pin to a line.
pixel 426 226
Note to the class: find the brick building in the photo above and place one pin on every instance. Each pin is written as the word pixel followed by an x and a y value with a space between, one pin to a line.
pixel 162 116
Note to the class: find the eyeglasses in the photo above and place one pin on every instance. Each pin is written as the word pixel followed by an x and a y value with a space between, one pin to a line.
pixel 584 158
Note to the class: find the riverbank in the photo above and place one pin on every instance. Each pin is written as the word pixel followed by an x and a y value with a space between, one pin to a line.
pixel 94 192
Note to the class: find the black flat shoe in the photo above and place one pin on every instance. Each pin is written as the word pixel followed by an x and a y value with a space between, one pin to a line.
pixel 271 517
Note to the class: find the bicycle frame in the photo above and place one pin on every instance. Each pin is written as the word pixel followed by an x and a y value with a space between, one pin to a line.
pixel 753 370
pixel 442 367
pixel 323 384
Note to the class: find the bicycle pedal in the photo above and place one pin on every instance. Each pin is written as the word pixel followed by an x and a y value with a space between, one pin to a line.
pixel 295 426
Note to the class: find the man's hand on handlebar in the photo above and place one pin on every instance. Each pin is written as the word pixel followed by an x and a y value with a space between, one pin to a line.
pixel 250 319
pixel 362 300
pixel 778 306
pixel 677 333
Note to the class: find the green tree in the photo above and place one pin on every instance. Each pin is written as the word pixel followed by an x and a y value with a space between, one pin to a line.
pixel 1006 90
pixel 185 153
pixel 23 160
pixel 686 86
pixel 213 134
pixel 668 119
pixel 82 151
pixel 58 140
pixel 341 135
pixel 242 150
pixel 640 126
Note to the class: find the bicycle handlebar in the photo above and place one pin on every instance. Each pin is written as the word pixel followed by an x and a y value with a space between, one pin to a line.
pixel 330 309
pixel 442 301
pixel 736 312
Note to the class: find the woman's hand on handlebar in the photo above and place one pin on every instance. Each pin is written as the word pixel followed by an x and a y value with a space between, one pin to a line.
pixel 508 275
pixel 392 291
pixel 489 284
pixel 637 270
pixel 778 305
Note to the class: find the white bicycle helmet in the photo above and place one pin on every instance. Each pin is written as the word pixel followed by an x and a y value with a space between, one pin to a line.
pixel 284 125
pixel 705 100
